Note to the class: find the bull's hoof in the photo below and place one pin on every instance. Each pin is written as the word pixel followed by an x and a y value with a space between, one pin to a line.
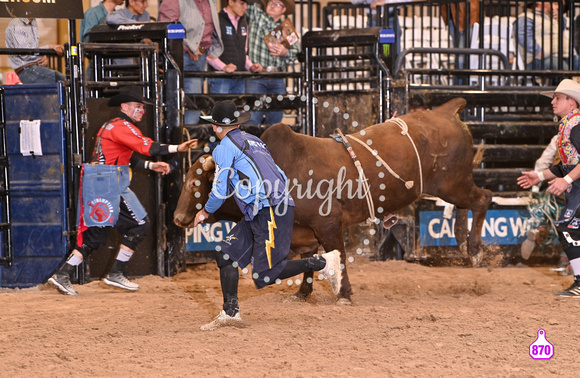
pixel 295 298
pixel 477 259
pixel 464 250
pixel 344 302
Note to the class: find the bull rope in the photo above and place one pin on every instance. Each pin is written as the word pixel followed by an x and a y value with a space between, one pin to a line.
pixel 362 177
pixel 186 132
pixel 404 131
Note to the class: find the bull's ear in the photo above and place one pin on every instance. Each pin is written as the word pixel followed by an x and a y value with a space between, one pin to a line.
pixel 208 164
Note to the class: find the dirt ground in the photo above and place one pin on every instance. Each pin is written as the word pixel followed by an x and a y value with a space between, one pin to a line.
pixel 407 320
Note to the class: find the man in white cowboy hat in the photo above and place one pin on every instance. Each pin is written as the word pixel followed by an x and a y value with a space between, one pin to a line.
pixel 273 56
pixel 564 176
pixel 245 169
pixel 106 201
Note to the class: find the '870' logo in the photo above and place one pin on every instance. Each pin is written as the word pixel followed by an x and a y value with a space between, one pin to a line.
pixel 541 349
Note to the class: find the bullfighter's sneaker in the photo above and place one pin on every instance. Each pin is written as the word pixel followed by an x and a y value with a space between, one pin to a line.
pixel 119 280
pixel 529 244
pixel 63 284
pixel 332 271
pixel 572 291
pixel 223 320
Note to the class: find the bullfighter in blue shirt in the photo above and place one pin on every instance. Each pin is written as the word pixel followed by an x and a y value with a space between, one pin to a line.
pixel 245 169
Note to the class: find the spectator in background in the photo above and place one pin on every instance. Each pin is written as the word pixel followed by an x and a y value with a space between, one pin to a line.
pixel 202 38
pixel 373 20
pixel 134 11
pixel 274 57
pixel 234 31
pixel 22 33
pixel 458 23
pixel 538 31
pixel 96 15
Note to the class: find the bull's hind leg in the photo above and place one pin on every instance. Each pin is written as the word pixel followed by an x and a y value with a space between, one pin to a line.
pixel 461 231
pixel 479 209
pixel 469 241
pixel 307 279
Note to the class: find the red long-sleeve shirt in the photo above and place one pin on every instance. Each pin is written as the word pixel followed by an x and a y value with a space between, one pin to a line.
pixel 119 138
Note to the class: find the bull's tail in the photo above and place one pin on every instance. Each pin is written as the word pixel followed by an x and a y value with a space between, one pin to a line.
pixel 478 157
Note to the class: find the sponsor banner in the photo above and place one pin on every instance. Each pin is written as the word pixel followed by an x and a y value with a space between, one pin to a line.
pixel 205 237
pixel 386 36
pixel 69 9
pixel 175 31
pixel 502 227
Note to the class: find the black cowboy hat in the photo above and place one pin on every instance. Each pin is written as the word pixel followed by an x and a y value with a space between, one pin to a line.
pixel 225 113
pixel 129 94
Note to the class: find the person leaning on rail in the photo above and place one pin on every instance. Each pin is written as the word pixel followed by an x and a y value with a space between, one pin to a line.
pixel 22 33
pixel 106 201
pixel 564 177
pixel 202 39
pixel 134 11
pixel 272 56
pixel 234 27
pixel 96 16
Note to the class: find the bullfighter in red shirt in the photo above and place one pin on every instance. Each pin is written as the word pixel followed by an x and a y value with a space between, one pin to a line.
pixel 106 201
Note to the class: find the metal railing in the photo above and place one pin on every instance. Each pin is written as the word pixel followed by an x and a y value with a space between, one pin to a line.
pixel 55 61
pixel 485 24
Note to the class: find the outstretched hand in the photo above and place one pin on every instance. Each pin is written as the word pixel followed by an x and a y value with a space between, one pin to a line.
pixel 192 143
pixel 528 179
pixel 556 186
pixel 160 167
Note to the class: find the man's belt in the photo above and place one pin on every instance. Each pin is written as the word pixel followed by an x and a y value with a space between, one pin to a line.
pixel 21 68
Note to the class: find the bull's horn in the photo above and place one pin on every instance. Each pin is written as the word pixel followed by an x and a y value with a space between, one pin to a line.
pixel 208 164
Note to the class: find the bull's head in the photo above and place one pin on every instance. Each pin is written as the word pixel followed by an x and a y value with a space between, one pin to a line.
pixel 195 191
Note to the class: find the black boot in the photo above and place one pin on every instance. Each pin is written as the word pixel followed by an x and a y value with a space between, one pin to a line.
pixel 61 279
pixel 572 291
pixel 229 278
pixel 295 267
pixel 116 277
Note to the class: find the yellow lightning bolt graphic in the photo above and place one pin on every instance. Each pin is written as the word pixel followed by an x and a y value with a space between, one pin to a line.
pixel 270 242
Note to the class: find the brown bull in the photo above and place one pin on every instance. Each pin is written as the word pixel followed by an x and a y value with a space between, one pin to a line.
pixel 329 195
